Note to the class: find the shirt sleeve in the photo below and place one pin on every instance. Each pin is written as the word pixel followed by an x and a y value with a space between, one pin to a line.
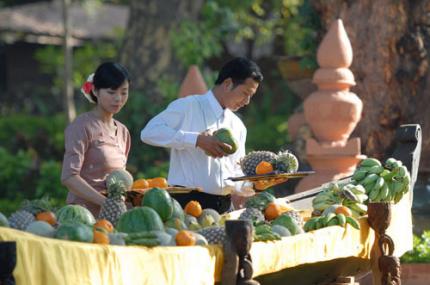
pixel 165 129
pixel 76 144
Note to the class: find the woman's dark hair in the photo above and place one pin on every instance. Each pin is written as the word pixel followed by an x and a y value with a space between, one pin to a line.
pixel 109 75
pixel 239 69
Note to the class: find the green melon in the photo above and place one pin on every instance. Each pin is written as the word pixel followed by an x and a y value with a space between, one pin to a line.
pixel 225 135
pixel 288 222
pixel 139 219
pixel 159 200
pixel 41 228
pixel 75 232
pixel 3 221
pixel 75 214
pixel 175 223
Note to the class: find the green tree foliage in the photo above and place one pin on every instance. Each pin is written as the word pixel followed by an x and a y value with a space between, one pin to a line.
pixel 421 250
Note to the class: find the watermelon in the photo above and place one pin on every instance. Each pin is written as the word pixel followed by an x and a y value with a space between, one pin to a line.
pixel 75 214
pixel 288 222
pixel 178 212
pixel 3 221
pixel 75 232
pixel 159 200
pixel 260 201
pixel 139 219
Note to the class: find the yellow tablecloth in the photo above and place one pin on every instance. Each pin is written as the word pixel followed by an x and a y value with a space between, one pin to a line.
pixel 47 261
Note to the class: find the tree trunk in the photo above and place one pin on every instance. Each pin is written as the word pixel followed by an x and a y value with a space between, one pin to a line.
pixel 69 104
pixel 390 40
pixel 147 51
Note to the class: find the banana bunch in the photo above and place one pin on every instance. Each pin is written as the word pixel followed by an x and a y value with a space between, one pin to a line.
pixel 382 183
pixel 349 195
pixel 331 219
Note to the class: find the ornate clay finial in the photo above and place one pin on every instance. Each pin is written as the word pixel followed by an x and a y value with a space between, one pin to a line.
pixel 193 83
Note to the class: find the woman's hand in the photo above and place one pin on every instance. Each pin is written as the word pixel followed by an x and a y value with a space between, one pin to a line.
pixel 82 189
pixel 211 145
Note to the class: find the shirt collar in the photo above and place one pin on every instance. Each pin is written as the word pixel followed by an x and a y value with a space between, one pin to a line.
pixel 215 105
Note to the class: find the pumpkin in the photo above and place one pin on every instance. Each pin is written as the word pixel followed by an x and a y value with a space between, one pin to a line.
pixel 140 184
pixel 75 232
pixel 263 167
pixel 100 236
pixel 75 214
pixel 139 219
pixel 193 208
pixel 159 182
pixel 185 238
pixel 159 200
pixel 104 224
pixel 48 217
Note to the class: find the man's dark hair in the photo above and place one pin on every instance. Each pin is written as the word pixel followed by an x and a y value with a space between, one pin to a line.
pixel 239 69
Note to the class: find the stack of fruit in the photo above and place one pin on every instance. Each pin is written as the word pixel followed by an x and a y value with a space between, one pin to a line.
pixel 266 162
pixel 335 215
pixel 383 183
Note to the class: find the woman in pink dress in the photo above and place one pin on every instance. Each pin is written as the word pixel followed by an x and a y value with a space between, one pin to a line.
pixel 96 143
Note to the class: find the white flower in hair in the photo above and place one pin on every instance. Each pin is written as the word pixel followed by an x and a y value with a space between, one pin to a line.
pixel 87 87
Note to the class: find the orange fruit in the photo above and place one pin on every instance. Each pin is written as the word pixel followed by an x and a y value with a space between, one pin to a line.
pixel 140 184
pixel 159 182
pixel 104 224
pixel 185 238
pixel 272 211
pixel 263 167
pixel 100 237
pixel 343 210
pixel 193 208
pixel 48 217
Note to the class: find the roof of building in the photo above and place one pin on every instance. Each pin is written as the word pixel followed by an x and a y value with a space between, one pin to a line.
pixel 42 22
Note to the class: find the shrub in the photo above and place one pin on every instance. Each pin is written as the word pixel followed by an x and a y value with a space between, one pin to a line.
pixel 421 250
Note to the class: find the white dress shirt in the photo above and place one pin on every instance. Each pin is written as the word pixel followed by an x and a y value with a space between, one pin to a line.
pixel 178 127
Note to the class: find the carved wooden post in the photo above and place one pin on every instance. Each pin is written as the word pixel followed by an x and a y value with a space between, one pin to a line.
pixel 7 262
pixel 379 217
pixel 237 268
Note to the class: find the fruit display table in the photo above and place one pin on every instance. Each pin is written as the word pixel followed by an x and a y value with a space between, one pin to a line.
pixel 315 257
pixel 50 261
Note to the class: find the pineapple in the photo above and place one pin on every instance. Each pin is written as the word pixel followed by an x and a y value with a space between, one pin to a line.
pixel 21 219
pixel 214 235
pixel 285 161
pixel 252 159
pixel 296 217
pixel 253 214
pixel 114 205
pixel 37 206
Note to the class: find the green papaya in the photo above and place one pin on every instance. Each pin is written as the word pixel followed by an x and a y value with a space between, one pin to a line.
pixel 225 135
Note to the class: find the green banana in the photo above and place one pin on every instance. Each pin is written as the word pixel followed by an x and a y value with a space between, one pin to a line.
pixel 333 222
pixel 373 194
pixel 362 197
pixel 358 207
pixel 348 194
pixel 389 162
pixel 398 197
pixel 310 224
pixel 376 169
pixel 358 189
pixel 359 174
pixel 369 179
pixel 370 161
pixel 383 193
pixel 342 219
pixel 397 186
pixel 353 222
pixel 321 206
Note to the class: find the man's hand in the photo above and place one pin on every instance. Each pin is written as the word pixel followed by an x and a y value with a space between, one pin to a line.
pixel 211 145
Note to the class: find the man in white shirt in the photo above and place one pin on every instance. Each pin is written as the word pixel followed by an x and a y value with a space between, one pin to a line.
pixel 186 125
